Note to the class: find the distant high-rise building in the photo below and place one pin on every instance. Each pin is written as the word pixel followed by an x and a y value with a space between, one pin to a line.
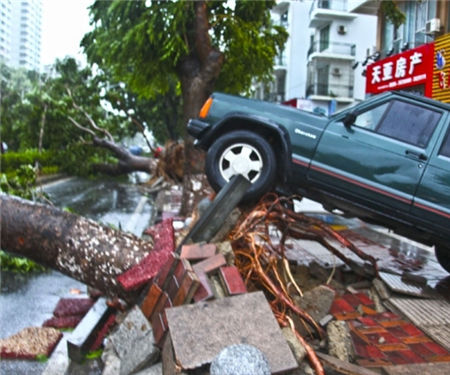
pixel 20 33
pixel 5 30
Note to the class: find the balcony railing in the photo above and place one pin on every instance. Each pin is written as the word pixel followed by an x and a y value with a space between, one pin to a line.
pixel 333 91
pixel 340 5
pixel 345 49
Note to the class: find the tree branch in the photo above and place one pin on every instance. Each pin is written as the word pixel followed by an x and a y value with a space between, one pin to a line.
pixel 90 119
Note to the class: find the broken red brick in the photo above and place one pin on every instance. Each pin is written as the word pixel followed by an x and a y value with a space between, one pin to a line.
pixel 392 323
pixel 364 299
pixel 353 300
pixel 73 306
pixel 101 334
pixel 159 328
pixel 403 357
pixel 439 358
pixel 373 352
pixel 347 315
pixel 436 348
pixel 369 322
pixel 367 310
pixel 150 300
pixel 382 338
pixel 63 322
pixel 172 287
pixel 392 347
pixel 232 280
pixel 182 268
pixel 187 289
pixel 412 330
pixel 163 303
pixel 204 291
pixel 415 340
pixel 166 270
pixel 340 306
pixel 210 264
pixel 148 268
pixel 197 251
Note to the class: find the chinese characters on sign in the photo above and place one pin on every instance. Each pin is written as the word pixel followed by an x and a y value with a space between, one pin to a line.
pixel 403 70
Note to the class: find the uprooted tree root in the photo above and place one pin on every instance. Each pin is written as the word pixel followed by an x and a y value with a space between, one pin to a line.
pixel 263 262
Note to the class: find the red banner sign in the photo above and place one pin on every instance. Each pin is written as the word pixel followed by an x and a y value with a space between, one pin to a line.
pixel 406 69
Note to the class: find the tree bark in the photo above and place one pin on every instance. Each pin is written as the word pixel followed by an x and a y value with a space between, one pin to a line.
pixel 198 74
pixel 75 246
pixel 127 161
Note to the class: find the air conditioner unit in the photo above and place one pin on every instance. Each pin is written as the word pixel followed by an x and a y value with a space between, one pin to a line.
pixel 342 30
pixel 336 72
pixel 432 26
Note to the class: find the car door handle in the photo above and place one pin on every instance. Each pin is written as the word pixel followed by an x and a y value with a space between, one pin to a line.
pixel 418 155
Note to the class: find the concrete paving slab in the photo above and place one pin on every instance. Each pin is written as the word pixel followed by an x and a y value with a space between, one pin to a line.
pixel 133 342
pixel 200 331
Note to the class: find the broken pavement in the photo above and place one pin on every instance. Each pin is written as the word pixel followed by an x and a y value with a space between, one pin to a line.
pixel 365 317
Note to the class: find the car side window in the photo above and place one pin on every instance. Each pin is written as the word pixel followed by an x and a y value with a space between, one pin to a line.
pixel 371 118
pixel 409 123
pixel 445 148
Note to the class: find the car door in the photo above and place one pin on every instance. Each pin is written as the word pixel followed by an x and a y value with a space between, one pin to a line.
pixel 378 160
pixel 432 200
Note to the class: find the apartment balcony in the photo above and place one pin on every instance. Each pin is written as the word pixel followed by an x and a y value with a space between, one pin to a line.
pixel 364 7
pixel 342 93
pixel 332 50
pixel 324 11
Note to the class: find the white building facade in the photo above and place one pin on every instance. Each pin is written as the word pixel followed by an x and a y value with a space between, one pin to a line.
pixel 316 70
pixel 340 44
pixel 20 33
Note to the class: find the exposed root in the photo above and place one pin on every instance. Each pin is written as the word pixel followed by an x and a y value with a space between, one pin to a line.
pixel 259 259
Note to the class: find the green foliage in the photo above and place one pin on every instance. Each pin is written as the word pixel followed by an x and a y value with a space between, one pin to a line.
pixel 144 43
pixel 392 13
pixel 11 161
pixel 51 169
pixel 18 264
pixel 94 354
pixel 41 358
pixel 20 183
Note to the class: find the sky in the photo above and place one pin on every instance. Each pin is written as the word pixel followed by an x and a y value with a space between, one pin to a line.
pixel 64 22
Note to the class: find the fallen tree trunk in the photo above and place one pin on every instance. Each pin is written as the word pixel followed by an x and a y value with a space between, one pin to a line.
pixel 127 162
pixel 73 245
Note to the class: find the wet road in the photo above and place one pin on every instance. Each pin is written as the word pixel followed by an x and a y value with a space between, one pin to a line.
pixel 108 201
pixel 28 300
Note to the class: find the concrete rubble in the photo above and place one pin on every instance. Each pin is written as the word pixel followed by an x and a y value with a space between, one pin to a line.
pixel 197 305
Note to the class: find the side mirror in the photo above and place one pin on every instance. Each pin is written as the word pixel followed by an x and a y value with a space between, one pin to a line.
pixel 349 119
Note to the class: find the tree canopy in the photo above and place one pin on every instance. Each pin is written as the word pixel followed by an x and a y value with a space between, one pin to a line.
pixel 199 45
pixel 38 112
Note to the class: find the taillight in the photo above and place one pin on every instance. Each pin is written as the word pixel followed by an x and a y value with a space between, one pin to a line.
pixel 205 108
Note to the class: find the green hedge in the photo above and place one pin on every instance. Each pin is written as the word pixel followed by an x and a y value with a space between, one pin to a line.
pixel 11 161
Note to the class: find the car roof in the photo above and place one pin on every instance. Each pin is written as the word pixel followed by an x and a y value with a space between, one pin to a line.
pixel 418 98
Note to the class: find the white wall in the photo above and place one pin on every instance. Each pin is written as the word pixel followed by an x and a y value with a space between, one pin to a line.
pixel 297 48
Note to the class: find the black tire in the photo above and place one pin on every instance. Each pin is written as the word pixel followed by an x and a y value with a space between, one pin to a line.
pixel 443 257
pixel 253 157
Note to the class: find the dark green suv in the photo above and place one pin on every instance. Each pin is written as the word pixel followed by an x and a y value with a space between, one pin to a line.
pixel 385 160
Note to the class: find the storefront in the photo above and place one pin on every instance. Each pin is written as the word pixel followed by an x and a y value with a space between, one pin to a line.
pixel 424 70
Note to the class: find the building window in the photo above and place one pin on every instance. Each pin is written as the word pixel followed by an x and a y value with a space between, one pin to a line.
pixel 324 38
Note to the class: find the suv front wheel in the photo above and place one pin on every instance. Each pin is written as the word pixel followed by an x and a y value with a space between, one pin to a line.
pixel 246 153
